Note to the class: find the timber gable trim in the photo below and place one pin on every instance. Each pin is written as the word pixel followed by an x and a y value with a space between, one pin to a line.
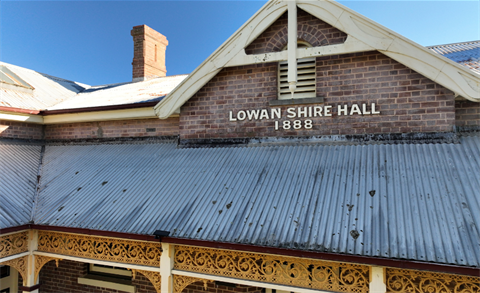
pixel 363 35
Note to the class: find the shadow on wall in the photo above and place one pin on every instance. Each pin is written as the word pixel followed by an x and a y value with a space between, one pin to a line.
pixel 20 130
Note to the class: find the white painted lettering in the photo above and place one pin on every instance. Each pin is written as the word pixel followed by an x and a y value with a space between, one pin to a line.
pixel 355 110
pixel 264 114
pixel 374 111
pixel 302 112
pixel 327 111
pixel 275 112
pixel 309 112
pixel 291 113
pixel 241 115
pixel 231 117
pixel 342 111
pixel 317 111
pixel 365 112
pixel 252 114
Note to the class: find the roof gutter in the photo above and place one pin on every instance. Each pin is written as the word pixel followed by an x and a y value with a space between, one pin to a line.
pixel 100 108
pixel 19 110
pixel 376 261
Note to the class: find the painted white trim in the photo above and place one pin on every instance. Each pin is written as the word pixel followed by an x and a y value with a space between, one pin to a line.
pixel 374 36
pixel 21 117
pixel 351 45
pixel 4 259
pixel 100 262
pixel 292 46
pixel 442 70
pixel 248 32
pixel 166 266
pixel 246 282
pixel 126 114
pixel 377 280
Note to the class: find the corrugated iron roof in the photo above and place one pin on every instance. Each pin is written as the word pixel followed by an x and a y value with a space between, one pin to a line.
pixel 466 53
pixel 53 93
pixel 47 90
pixel 406 201
pixel 18 169
pixel 123 93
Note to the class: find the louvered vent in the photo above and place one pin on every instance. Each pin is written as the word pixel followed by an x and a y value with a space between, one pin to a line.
pixel 305 80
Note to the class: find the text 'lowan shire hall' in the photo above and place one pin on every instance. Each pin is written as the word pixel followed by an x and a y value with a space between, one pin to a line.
pixel 314 151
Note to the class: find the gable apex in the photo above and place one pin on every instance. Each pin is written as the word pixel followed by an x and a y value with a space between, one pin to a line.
pixel 363 35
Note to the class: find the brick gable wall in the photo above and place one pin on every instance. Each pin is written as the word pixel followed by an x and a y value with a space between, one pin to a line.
pixel 310 29
pixel 408 102
pixel 467 115
pixel 113 129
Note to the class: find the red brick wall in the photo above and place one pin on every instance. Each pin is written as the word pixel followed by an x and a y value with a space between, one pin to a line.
pixel 111 129
pixel 12 129
pixel 310 29
pixel 198 287
pixel 408 102
pixel 65 279
pixel 467 114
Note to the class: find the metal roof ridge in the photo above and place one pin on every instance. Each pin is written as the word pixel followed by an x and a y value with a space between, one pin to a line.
pixel 452 44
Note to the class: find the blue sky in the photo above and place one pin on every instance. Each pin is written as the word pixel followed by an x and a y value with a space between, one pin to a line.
pixel 90 42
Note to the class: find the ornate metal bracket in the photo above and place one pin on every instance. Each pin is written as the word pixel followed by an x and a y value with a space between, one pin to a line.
pixel 21 265
pixel 181 282
pixel 40 261
pixel 154 278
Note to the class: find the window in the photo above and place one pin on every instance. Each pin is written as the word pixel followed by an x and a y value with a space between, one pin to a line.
pixel 306 74
pixel 108 277
pixel 110 271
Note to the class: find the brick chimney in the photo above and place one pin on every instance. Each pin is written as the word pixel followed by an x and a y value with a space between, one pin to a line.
pixel 148 53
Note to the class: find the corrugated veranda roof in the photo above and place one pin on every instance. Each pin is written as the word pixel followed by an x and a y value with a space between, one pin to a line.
pixel 18 176
pixel 405 201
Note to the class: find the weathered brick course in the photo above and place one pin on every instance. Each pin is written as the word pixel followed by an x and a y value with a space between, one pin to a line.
pixel 408 101
pixel 112 129
pixel 467 114
pixel 20 130
pixel 310 29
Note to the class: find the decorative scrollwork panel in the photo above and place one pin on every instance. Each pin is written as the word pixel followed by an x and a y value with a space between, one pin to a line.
pixel 305 273
pixel 420 281
pixel 100 248
pixel 13 244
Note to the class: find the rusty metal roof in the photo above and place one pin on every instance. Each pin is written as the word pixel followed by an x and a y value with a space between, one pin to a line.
pixel 466 53
pixel 402 201
pixel 18 176
pixel 40 91
pixel 44 91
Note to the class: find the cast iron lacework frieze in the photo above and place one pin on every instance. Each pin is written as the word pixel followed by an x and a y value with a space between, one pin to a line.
pixel 305 273
pixel 13 244
pixel 419 282
pixel 101 248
